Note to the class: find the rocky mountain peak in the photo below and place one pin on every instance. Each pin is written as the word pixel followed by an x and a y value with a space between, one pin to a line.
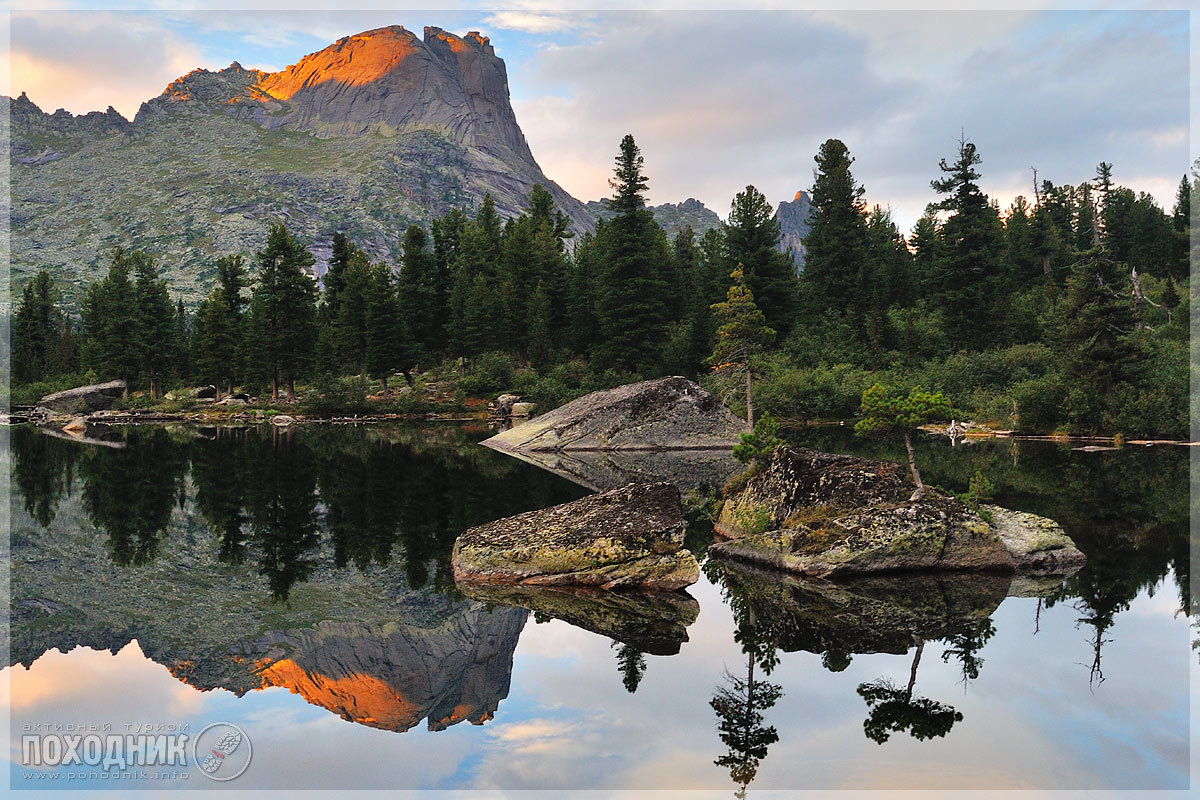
pixel 792 217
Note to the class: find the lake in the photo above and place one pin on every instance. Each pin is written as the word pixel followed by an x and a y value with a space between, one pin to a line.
pixel 294 584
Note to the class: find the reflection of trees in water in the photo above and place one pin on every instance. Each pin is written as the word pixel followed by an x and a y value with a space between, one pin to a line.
pixel 43 470
pixel 740 703
pixel 965 644
pixel 894 710
pixel 739 706
pixel 631 663
pixel 1127 510
pixel 281 495
pixel 256 488
pixel 131 492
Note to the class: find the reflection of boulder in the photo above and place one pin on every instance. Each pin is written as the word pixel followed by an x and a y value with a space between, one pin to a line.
pixel 601 470
pixel 662 414
pixel 876 614
pixel 395 677
pixel 630 537
pixel 652 622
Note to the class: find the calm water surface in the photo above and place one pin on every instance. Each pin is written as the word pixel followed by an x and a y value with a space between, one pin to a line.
pixel 295 583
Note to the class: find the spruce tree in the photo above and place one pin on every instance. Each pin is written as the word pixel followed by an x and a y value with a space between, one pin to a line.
pixel 37 327
pixel 157 328
pixel 752 240
pixel 632 293
pixel 220 326
pixel 967 287
pixel 108 316
pixel 417 286
pixel 836 244
pixel 282 317
pixel 385 325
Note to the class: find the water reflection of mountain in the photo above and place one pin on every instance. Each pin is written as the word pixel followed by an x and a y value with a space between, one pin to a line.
pixel 244 559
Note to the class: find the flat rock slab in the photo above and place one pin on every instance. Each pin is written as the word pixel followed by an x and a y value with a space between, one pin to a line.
pixel 83 399
pixel 630 537
pixel 663 414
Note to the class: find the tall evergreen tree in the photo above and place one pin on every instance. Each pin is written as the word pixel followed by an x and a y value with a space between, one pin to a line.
pixel 282 318
pixel 967 284
pixel 220 326
pixel 387 333
pixel 417 286
pixel 632 293
pixel 752 240
pixel 836 244
pixel 109 318
pixel 41 345
pixel 157 328
pixel 743 333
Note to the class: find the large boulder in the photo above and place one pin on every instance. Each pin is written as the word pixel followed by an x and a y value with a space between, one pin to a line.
pixel 827 515
pixel 1037 545
pixel 83 399
pixel 663 414
pixel 627 538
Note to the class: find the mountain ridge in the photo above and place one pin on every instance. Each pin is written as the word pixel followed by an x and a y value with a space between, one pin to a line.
pixel 375 132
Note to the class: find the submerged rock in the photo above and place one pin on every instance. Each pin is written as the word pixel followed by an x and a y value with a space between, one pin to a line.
pixel 630 537
pixel 662 414
pixel 827 515
pixel 653 622
pixel 83 399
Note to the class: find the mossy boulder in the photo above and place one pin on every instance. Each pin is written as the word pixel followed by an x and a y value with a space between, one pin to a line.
pixel 626 538
pixel 827 515
pixel 1037 545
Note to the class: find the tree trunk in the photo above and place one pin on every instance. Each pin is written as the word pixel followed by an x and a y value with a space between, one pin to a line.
pixel 912 675
pixel 275 387
pixel 385 384
pixel 291 388
pixel 749 402
pixel 912 465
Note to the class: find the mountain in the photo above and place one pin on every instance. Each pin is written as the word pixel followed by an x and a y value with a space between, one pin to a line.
pixel 375 132
pixel 671 216
pixel 792 217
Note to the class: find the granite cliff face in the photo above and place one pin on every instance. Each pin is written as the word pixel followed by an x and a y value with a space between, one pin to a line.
pixel 793 226
pixel 375 132
pixel 673 217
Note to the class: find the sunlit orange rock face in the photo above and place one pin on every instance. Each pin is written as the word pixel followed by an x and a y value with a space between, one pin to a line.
pixel 396 677
pixel 389 80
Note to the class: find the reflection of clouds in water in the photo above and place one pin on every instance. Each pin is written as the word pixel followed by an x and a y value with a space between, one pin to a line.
pixel 1030 719
pixel 52 686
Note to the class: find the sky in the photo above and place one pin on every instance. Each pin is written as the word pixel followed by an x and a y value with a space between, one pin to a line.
pixel 716 99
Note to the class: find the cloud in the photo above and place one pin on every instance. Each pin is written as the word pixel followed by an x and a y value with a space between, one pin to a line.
pixel 531 22
pixel 86 62
pixel 719 100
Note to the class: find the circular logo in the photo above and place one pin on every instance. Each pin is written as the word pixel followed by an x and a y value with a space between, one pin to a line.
pixel 222 751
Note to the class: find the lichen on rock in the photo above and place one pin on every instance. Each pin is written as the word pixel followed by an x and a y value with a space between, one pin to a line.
pixel 631 537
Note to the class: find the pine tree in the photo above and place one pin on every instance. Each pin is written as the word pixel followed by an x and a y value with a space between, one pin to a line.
pixel 333 280
pixel 539 336
pixel 220 326
pixel 157 328
pixel 967 286
pixel 888 408
pixel 37 327
pixel 417 287
pixel 752 240
pixel 385 326
pixel 741 335
pixel 109 320
pixel 632 303
pixel 282 317
pixel 836 244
